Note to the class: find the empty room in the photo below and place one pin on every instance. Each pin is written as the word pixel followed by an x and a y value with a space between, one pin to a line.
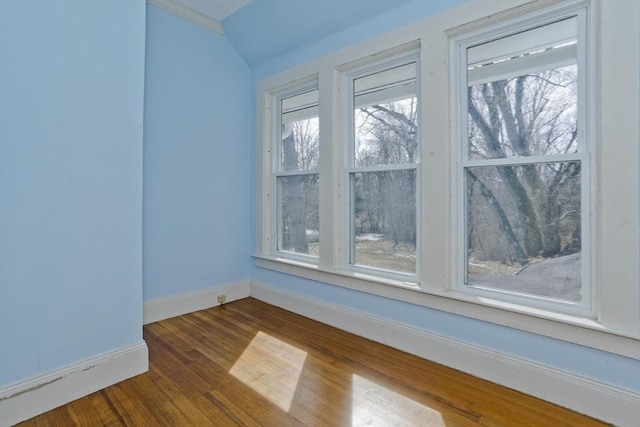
pixel 319 213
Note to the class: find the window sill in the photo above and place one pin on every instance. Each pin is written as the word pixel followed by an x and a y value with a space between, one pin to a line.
pixel 571 328
pixel 272 263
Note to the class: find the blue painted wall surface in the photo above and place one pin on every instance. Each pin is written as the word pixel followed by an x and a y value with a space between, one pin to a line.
pixel 196 158
pixel 609 368
pixel 71 108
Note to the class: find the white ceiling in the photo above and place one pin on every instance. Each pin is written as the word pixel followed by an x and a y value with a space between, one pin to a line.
pixel 216 9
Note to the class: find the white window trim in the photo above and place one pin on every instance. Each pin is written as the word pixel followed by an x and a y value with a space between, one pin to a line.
pixel 616 242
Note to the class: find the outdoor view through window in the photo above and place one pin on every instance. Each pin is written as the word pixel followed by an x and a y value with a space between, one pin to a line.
pixel 384 173
pixel 297 176
pixel 523 164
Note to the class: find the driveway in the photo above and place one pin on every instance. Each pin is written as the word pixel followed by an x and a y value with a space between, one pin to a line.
pixel 554 277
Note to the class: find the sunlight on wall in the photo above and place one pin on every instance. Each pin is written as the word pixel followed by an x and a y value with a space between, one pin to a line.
pixel 271 368
pixel 375 405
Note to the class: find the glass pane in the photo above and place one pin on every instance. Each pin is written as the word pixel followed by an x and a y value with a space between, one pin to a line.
pixel 300 132
pixel 384 220
pixel 298 221
pixel 385 117
pixel 522 95
pixel 523 229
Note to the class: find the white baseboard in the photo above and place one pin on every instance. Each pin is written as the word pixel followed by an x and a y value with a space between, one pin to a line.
pixel 177 305
pixel 599 400
pixel 29 398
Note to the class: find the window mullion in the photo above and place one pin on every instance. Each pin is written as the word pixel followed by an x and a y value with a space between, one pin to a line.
pixel 264 174
pixel 618 178
pixel 344 158
pixel 330 195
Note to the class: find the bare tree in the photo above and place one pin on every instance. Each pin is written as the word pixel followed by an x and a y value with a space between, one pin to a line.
pixel 299 192
pixel 387 199
pixel 529 115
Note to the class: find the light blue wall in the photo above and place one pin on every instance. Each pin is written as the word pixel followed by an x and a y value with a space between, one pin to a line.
pixel 616 370
pixel 196 158
pixel 71 107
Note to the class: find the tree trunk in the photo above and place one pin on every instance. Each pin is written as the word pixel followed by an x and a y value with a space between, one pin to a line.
pixel 550 213
pixel 503 222
pixel 524 209
pixel 294 238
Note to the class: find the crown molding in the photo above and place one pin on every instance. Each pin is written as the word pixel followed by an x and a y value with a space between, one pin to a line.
pixel 185 12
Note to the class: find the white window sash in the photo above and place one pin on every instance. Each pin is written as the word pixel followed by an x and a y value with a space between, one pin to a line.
pixel 557 34
pixel 398 69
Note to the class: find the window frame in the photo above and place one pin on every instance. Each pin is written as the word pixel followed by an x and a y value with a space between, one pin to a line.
pixel 277 171
pixel 459 43
pixel 347 160
pixel 615 325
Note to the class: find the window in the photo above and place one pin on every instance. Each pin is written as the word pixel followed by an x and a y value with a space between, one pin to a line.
pixel 482 162
pixel 382 167
pixel 296 173
pixel 377 230
pixel 524 164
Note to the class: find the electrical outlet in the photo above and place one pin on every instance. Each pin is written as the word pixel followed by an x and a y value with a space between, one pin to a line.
pixel 222 299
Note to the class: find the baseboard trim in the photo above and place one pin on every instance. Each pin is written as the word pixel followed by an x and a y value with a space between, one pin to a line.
pixel 26 399
pixel 584 395
pixel 184 303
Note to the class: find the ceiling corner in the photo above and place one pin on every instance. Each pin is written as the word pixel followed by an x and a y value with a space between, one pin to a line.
pixel 179 9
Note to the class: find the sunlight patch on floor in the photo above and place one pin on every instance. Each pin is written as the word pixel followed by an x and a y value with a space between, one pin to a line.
pixel 375 405
pixel 271 368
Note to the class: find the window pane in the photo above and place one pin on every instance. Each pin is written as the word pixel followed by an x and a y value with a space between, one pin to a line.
pixel 385 117
pixel 523 229
pixel 298 222
pixel 522 94
pixel 384 220
pixel 300 132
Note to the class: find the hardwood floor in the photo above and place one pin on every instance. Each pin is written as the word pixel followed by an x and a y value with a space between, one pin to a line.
pixel 251 364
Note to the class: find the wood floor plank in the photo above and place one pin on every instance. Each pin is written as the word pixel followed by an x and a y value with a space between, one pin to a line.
pixel 85 413
pixel 191 404
pixel 240 399
pixel 58 417
pixel 132 411
pixel 251 364
pixel 108 415
pixel 167 371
